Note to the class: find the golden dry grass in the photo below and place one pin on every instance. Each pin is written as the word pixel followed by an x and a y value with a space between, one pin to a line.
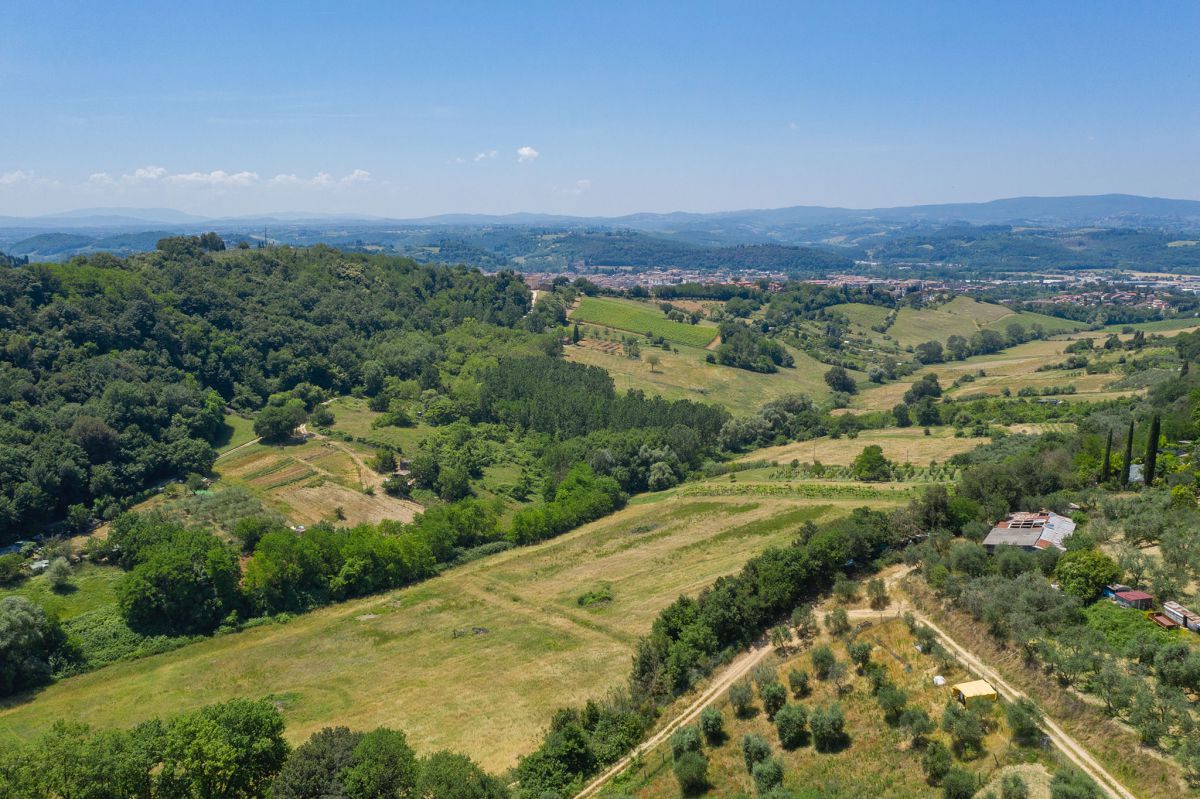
pixel 902 445
pixel 392 659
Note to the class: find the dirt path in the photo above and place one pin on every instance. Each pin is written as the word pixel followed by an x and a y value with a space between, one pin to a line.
pixel 368 477
pixel 742 665
pixel 235 449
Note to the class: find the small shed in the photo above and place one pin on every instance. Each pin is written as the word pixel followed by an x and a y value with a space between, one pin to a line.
pixel 976 689
pixel 1138 600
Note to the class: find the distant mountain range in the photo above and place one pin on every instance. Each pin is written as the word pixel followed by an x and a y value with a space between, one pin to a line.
pixel 1106 209
pixel 1016 233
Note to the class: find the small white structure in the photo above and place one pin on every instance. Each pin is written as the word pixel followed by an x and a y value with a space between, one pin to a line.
pixel 939 680
pixel 39 566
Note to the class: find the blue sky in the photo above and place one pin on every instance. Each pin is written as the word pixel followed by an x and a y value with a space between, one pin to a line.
pixel 604 108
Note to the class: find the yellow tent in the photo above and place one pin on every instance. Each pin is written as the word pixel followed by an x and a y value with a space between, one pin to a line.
pixel 976 689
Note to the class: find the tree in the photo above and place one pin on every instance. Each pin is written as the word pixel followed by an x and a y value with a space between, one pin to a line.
pixel 774 697
pixel 229 750
pixel 1106 464
pixel 837 621
pixel 384 461
pixel 959 784
pixel 780 637
pixel 936 761
pixel 860 654
pixel 186 584
pixel 58 574
pixel 313 770
pixel 1083 572
pixel 804 622
pixel 1125 464
pixel 877 594
pixel 792 724
pixel 918 723
pixel 1151 459
pixel 767 774
pixel 278 422
pixel 654 359
pixel 691 770
pixel 965 728
pixel 1024 721
pixel 575 335
pixel 798 682
pixel 740 696
pixel 1072 784
pixel 929 352
pixel 902 415
pixel 822 660
pixel 871 466
pixel 383 766
pixel 838 379
pixel 28 639
pixel 893 702
pixel 685 739
pixel 755 749
pixel 712 724
pixel 828 725
pixel 448 775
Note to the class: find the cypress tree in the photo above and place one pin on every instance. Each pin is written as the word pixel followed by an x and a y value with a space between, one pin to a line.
pixel 1128 456
pixel 575 334
pixel 1151 452
pixel 1106 466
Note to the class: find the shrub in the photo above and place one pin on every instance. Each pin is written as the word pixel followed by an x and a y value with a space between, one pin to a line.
pixel 893 701
pixel 837 622
pixel 712 724
pixel 755 749
pixel 774 697
pixel 822 659
pixel 959 784
pixel 58 574
pixel 685 739
pixel 1024 721
pixel 740 696
pixel 798 681
pixel 936 761
pixel 691 770
pixel 1013 786
pixel 828 728
pixel 767 774
pixel 792 724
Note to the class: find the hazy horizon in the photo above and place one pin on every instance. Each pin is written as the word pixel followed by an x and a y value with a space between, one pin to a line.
pixel 409 112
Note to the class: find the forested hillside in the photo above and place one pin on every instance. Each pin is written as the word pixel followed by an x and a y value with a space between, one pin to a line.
pixel 116 373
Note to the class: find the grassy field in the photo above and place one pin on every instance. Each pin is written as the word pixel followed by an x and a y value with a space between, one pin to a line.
pixel 878 760
pixel 1013 368
pixel 686 375
pixel 238 430
pixel 393 659
pixel 91 587
pixel 353 417
pixel 964 316
pixel 641 318
pixel 902 445
pixel 861 314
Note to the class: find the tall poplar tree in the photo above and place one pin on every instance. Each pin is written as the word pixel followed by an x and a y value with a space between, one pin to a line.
pixel 1151 452
pixel 1128 456
pixel 1106 466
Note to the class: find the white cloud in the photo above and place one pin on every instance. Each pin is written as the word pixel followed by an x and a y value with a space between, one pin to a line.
pixel 145 174
pixel 357 176
pixel 285 180
pixel 526 154
pixel 322 179
pixel 15 177
pixel 100 179
pixel 580 187
pixel 492 154
pixel 218 178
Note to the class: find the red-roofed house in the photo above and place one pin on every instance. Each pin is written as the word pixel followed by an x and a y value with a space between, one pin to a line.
pixel 1138 600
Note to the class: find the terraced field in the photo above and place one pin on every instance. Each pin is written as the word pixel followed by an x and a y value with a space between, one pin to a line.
pixel 641 318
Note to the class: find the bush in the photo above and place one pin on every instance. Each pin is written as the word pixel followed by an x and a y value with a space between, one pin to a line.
pixel 774 697
pixel 685 739
pixel 837 622
pixel 792 724
pixel 691 770
pixel 936 761
pixel 767 774
pixel 798 681
pixel 1025 722
pixel 58 574
pixel 740 696
pixel 1071 784
pixel 828 728
pixel 1013 786
pixel 822 660
pixel 712 724
pixel 959 784
pixel 755 749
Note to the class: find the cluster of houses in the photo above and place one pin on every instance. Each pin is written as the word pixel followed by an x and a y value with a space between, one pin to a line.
pixel 1044 529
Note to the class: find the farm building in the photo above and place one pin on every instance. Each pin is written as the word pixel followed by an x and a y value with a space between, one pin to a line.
pixel 1030 531
pixel 1138 600
pixel 1182 616
pixel 1165 622
pixel 1110 591
pixel 976 689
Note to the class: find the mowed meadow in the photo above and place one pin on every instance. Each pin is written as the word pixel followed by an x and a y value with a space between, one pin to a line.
pixel 478 658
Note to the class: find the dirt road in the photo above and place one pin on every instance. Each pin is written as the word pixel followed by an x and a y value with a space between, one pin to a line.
pixel 742 666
